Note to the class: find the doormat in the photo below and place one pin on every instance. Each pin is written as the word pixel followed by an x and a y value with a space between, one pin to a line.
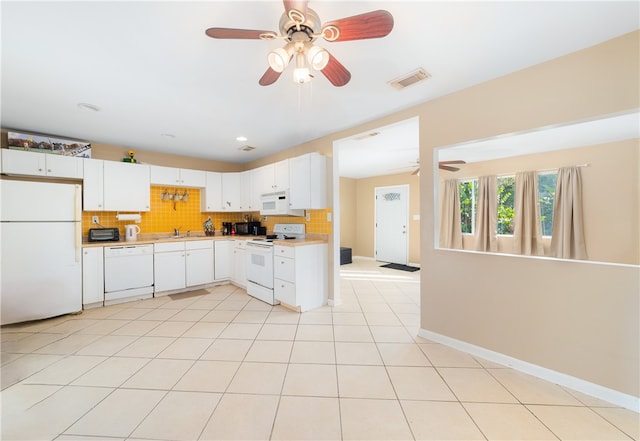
pixel 400 267
pixel 186 295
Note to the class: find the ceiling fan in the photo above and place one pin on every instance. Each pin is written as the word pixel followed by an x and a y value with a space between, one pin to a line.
pixel 442 165
pixel 300 26
pixel 445 165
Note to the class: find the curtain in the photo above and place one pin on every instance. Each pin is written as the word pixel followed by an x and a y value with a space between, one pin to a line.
pixel 450 231
pixel 567 237
pixel 527 234
pixel 487 214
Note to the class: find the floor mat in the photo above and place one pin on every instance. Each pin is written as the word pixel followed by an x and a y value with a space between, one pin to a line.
pixel 400 267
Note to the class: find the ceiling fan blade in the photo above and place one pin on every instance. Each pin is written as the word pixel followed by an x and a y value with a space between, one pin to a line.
pixel 269 77
pixel 448 167
pixel 374 24
pixel 243 34
pixel 336 72
pixel 296 5
pixel 457 161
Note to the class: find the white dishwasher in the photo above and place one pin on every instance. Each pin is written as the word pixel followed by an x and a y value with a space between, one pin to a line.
pixel 128 273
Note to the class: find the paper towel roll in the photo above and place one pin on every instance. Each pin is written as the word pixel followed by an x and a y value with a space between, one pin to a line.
pixel 128 217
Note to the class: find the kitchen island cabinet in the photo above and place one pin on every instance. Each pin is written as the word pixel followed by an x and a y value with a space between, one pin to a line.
pixel 22 162
pixel 92 277
pixel 300 275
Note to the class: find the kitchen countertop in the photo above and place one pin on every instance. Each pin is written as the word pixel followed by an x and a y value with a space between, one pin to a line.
pixel 152 238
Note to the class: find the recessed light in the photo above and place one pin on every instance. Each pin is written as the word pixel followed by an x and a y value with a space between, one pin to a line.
pixel 87 106
pixel 241 138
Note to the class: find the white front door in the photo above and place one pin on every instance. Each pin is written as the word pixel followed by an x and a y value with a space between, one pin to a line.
pixel 391 227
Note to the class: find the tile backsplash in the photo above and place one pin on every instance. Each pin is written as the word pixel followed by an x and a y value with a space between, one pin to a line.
pixel 165 215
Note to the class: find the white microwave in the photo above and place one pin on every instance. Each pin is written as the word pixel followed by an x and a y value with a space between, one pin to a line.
pixel 277 204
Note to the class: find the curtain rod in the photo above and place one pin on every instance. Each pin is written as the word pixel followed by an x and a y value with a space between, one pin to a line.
pixel 468 178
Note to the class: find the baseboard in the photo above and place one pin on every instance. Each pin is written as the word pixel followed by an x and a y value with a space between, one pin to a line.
pixel 595 390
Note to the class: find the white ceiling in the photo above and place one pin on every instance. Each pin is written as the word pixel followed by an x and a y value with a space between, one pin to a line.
pixel 151 70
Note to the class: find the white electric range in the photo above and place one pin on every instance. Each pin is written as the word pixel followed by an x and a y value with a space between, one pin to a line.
pixel 260 261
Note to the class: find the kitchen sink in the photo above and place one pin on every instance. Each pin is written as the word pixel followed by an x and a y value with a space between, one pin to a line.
pixel 178 237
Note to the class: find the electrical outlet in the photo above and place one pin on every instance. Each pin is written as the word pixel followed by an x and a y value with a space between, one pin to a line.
pixel 308 216
pixel 94 220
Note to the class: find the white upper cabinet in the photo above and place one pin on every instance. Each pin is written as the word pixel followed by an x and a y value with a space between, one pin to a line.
pixel 211 196
pixel 126 186
pixel 177 177
pixel 231 191
pixel 20 162
pixel 272 177
pixel 281 174
pixel 248 201
pixel 308 181
pixel 93 185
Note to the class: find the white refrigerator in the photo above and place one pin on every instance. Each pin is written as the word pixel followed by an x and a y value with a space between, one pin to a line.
pixel 41 241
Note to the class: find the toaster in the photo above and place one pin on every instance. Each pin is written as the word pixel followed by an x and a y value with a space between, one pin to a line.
pixel 104 235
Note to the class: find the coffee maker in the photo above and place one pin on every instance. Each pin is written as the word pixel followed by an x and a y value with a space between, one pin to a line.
pixel 226 228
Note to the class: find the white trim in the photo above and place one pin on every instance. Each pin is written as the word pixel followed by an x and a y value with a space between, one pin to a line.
pixel 595 390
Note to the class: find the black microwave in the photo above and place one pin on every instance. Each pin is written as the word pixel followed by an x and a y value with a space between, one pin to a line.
pixel 104 235
pixel 246 228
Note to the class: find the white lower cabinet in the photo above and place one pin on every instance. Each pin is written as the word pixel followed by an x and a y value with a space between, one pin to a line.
pixel 223 259
pixel 239 268
pixel 181 265
pixel 169 267
pixel 199 262
pixel 300 275
pixel 92 277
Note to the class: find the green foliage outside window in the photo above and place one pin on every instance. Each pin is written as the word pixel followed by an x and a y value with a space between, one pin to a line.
pixel 468 197
pixel 506 195
pixel 546 198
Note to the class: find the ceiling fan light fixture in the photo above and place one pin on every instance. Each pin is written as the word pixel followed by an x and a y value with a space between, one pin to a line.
pixel 317 57
pixel 278 59
pixel 301 73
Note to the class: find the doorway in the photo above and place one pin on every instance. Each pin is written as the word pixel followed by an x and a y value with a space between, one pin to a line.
pixel 391 224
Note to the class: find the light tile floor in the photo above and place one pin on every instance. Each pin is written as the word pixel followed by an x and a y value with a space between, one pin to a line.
pixel 222 365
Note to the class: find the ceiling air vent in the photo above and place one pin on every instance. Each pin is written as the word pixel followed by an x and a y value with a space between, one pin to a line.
pixel 411 78
pixel 246 148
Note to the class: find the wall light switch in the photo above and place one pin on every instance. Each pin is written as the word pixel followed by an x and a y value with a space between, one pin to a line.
pixel 416 217
pixel 329 217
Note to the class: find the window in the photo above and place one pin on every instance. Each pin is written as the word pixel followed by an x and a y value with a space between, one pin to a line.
pixel 546 199
pixel 468 201
pixel 506 196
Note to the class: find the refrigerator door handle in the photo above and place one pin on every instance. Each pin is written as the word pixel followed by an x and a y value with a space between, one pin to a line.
pixel 77 216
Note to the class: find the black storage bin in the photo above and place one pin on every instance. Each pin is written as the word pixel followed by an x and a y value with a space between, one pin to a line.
pixel 345 255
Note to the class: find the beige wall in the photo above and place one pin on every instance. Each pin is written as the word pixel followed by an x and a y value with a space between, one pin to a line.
pixel 610 194
pixel 362 200
pixel 348 213
pixel 577 318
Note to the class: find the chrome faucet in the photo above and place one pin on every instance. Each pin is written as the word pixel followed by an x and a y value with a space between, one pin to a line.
pixel 176 231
